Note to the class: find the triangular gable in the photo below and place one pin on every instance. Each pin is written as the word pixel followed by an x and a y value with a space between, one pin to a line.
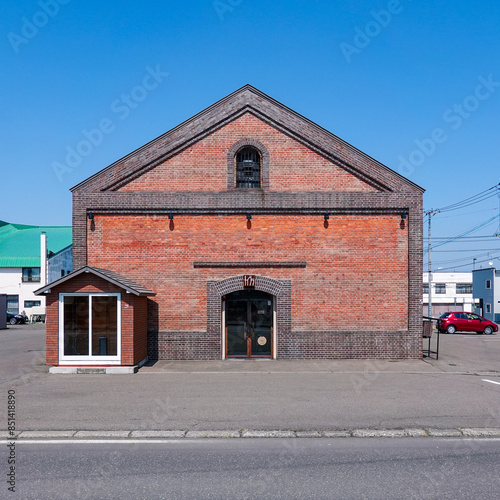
pixel 107 275
pixel 205 165
pixel 248 100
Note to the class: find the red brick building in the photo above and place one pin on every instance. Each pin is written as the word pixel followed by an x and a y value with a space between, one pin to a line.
pixel 260 234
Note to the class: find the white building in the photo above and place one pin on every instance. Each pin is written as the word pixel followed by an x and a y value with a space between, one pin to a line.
pixel 449 291
pixel 29 255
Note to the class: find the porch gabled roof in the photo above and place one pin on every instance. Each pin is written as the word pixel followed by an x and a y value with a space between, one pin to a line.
pixel 118 280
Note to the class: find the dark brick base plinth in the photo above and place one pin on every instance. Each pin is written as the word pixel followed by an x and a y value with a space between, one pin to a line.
pixel 294 345
pixel 348 345
pixel 184 345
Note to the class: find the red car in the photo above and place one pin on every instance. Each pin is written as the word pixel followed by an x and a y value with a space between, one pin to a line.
pixel 451 322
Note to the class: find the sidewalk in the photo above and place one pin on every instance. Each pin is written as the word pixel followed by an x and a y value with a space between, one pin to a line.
pixel 239 366
pixel 347 396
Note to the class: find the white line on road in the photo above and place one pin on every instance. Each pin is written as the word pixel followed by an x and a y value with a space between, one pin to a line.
pixel 205 441
pixel 490 381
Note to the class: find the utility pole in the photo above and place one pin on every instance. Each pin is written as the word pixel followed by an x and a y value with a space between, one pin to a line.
pixel 429 311
pixel 430 213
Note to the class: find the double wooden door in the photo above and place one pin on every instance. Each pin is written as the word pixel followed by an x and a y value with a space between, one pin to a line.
pixel 249 324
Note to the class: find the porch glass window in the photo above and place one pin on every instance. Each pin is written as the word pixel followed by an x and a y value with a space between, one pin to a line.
pixel 90 326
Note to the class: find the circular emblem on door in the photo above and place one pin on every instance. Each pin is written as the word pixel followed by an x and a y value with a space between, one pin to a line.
pixel 262 341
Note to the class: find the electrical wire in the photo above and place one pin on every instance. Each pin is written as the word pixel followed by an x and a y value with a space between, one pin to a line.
pixel 490 255
pixel 464 237
pixel 484 195
pixel 463 265
pixel 464 234
pixel 456 250
pixel 467 213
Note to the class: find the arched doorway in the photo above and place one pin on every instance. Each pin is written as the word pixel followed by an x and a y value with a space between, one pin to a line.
pixel 249 322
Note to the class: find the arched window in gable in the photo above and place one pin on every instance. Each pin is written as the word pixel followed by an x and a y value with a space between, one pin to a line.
pixel 248 167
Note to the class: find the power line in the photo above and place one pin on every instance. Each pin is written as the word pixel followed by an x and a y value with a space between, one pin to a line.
pixel 478 255
pixel 468 213
pixel 463 235
pixel 464 265
pixel 490 255
pixel 492 238
pixel 493 191
pixel 484 195
pixel 465 250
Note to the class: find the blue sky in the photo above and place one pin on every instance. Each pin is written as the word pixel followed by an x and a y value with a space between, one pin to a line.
pixel 416 85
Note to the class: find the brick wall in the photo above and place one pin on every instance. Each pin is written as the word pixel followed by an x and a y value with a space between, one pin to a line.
pixel 52 329
pixel 204 164
pixel 140 329
pixel 133 315
pixel 356 274
pixel 358 293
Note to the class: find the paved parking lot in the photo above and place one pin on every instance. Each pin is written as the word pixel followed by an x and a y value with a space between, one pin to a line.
pixel 461 389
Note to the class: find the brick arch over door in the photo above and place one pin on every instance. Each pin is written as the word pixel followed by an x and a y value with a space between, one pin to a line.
pixel 281 289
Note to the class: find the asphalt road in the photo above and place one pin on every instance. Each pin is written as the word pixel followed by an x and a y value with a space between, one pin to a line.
pixel 461 389
pixel 22 350
pixel 412 468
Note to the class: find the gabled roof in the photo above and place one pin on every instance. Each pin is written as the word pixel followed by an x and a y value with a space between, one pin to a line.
pixel 20 244
pixel 110 276
pixel 244 100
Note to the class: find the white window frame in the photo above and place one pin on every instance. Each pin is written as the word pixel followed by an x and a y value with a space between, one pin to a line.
pixel 90 359
pixel 487 309
pixel 487 284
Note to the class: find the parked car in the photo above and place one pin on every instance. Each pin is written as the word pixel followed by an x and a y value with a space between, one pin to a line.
pixel 15 319
pixel 451 322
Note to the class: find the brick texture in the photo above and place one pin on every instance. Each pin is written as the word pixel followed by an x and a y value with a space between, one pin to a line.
pixel 348 264
pixel 205 164
pixel 133 317
pixel 345 287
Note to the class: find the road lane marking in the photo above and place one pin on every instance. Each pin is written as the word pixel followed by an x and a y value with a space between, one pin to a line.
pixel 490 381
pixel 24 441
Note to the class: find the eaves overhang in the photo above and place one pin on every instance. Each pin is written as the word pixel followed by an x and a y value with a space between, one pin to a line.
pixel 116 279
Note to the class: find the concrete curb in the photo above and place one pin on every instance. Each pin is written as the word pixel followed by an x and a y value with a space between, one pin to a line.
pixel 224 434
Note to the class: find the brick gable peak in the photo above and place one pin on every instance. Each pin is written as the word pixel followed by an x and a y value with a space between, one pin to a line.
pixel 247 99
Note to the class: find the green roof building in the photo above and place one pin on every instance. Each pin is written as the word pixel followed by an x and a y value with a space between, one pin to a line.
pixel 23 265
